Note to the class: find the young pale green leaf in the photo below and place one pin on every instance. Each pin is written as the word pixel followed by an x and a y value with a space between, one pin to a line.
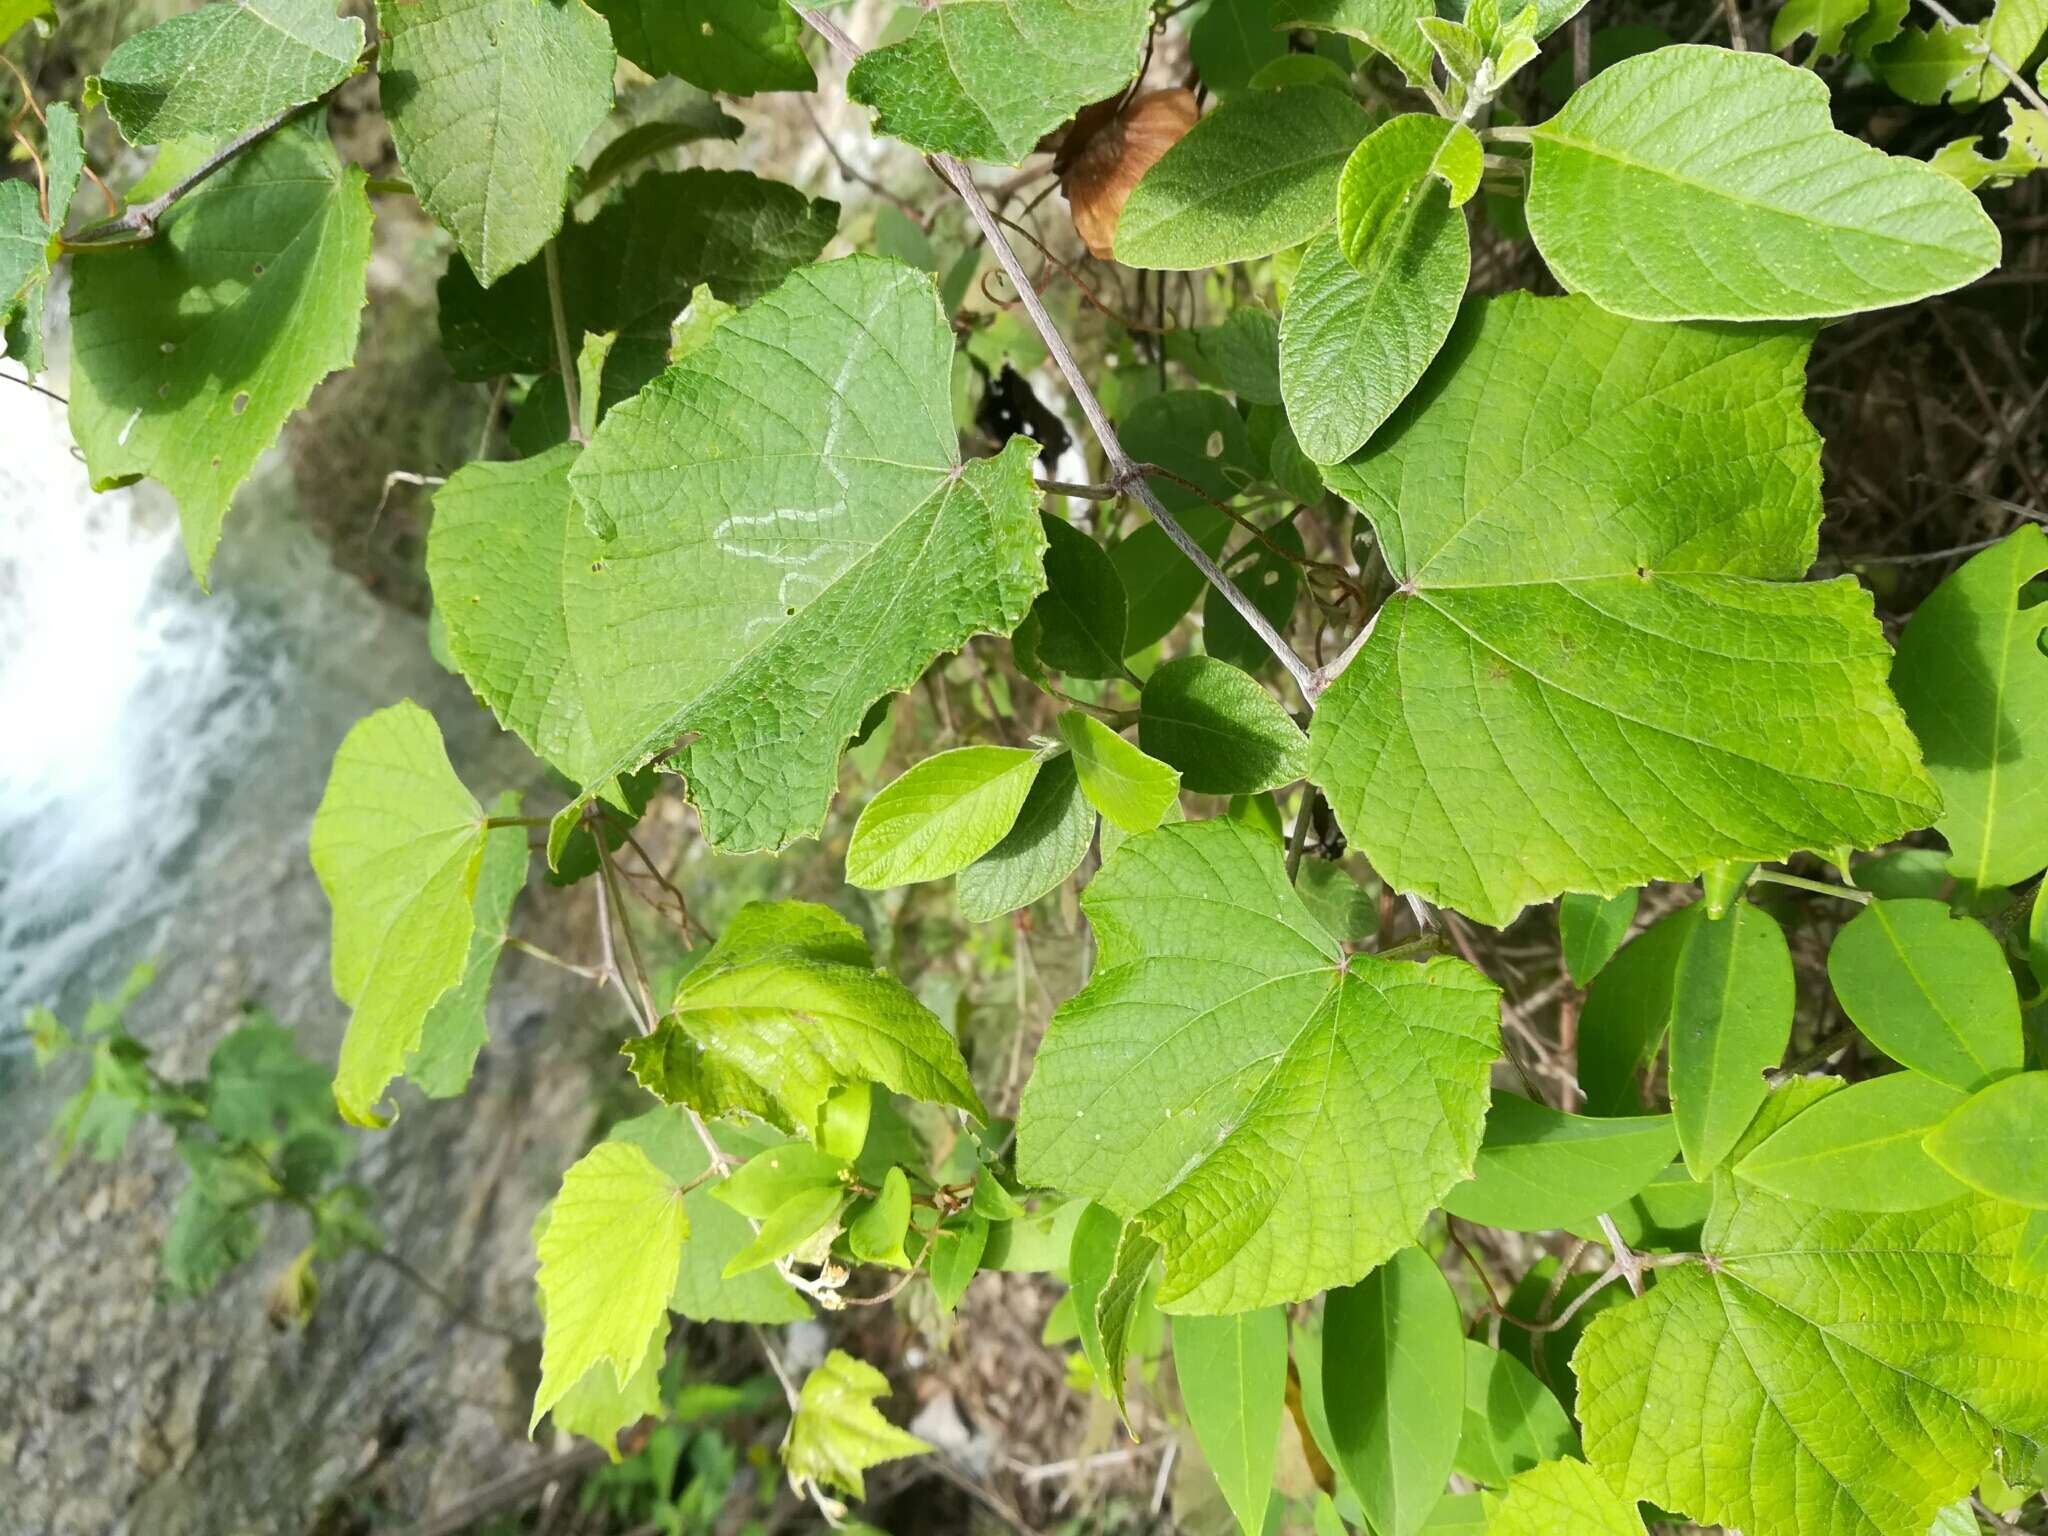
pixel 1044 847
pixel 1127 1299
pixel 1255 176
pixel 845 514
pixel 1540 1168
pixel 455 1029
pixel 189 351
pixel 1360 330
pixel 1233 1382
pixel 396 844
pixel 1696 183
pixel 1512 1420
pixel 786 1008
pixel 876 1234
pixel 212 72
pixel 28 240
pixel 736 47
pixel 1930 990
pixel 1388 27
pixel 607 1263
pixel 1561 1496
pixel 1279 1116
pixel 1131 788
pixel 16 14
pixel 1731 1019
pixel 838 1433
pixel 2024 151
pixel 986 80
pixel 1081 614
pixel 940 816
pixel 1091 1255
pixel 1997 1140
pixel 1225 733
pixel 489 102
pixel 1827 1373
pixel 1973 678
pixel 807 1221
pixel 1861 1148
pixel 717 1230
pixel 631 269
pixel 598 1407
pixel 1826 21
pixel 1591 928
pixel 1610 586
pixel 1394 1388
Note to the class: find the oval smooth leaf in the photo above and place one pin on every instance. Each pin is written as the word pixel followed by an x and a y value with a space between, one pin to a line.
pixel 1862 1148
pixel 1129 787
pixel 1997 1140
pixel 940 816
pixel 1512 1420
pixel 1220 727
pixel 1540 1168
pixel 1233 1381
pixel 1591 928
pixel 1044 847
pixel 1930 990
pixel 1731 1019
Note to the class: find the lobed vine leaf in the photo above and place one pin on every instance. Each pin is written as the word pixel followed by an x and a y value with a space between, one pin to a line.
pixel 796 536
pixel 1561 1496
pixel 396 844
pixel 455 1030
pixel 986 79
pixel 1973 679
pixel 1696 183
pixel 29 240
pixel 787 1007
pixel 188 351
pixel 210 73
pixel 1599 667
pixel 1833 1373
pixel 837 1433
pixel 1278 1116
pixel 489 103
pixel 607 1264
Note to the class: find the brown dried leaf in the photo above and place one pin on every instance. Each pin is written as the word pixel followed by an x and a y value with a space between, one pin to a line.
pixel 1099 172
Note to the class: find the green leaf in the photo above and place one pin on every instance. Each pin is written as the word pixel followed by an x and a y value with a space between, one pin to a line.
pixel 1696 183
pixel 1393 1386
pixel 598 1406
pixel 1973 678
pixel 2025 151
pixel 489 102
pixel 1930 990
pixel 631 269
pixel 206 1240
pixel 1387 26
pixel 956 1259
pixel 1456 1514
pixel 1591 928
pixel 607 1263
pixel 717 1231
pixel 1540 1168
pixel 1080 616
pixel 786 1008
pixel 1233 1382
pixel 260 1090
pixel 1245 350
pixel 1731 1019
pixel 1861 1148
pixel 1561 1496
pixel 1255 176
pixel 1225 733
pixel 1832 1373
pixel 693 119
pixel 1348 911
pixel 1200 436
pixel 776 1174
pixel 1512 1421
pixel 455 1029
pixel 396 842
pixel 986 81
pixel 1610 589
pixel 213 72
pixel 1279 1116
pixel 1997 1140
pixel 1376 297
pixel 1271 580
pixel 1127 1297
pixel 1091 1255
pixel 876 1235
pixel 189 351
pixel 734 46
pixel 807 1221
pixel 1827 21
pixel 940 816
pixel 1230 42
pixel 1130 788
pixel 16 14
pixel 1044 847
pixel 1628 1010
pixel 838 1433
pixel 775 573
pixel 28 241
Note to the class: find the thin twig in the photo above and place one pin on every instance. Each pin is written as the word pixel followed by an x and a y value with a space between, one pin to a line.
pixel 32 384
pixel 565 356
pixel 141 221
pixel 1068 488
pixel 1818 887
pixel 1302 818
